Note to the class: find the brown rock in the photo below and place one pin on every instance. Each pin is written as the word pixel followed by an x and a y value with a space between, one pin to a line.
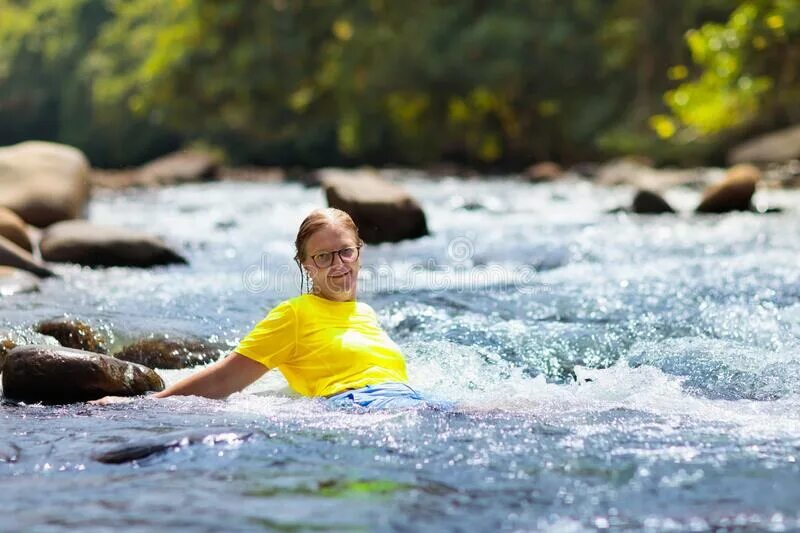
pixel 14 281
pixel 43 182
pixel 543 172
pixel 169 353
pixel 6 345
pixel 78 241
pixel 733 193
pixel 650 203
pixel 14 229
pixel 256 174
pixel 776 147
pixel 383 211
pixel 72 333
pixel 13 256
pixel 38 373
pixel 185 166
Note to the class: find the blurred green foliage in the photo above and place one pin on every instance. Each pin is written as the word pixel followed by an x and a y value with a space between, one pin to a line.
pixel 319 82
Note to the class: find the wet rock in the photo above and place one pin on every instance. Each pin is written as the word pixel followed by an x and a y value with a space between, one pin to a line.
pixel 543 172
pixel 169 353
pixel 733 193
pixel 184 166
pixel 78 241
pixel 6 345
pixel 12 255
pixel 164 443
pixel 37 373
pixel 383 211
pixel 650 203
pixel 72 333
pixel 13 228
pixel 775 147
pixel 14 281
pixel 44 182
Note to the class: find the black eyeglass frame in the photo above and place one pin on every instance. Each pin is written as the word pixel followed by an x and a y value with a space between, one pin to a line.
pixel 339 253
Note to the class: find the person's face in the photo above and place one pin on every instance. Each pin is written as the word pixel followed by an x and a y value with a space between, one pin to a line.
pixel 338 280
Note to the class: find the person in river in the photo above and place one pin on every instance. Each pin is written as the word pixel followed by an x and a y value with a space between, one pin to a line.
pixel 325 342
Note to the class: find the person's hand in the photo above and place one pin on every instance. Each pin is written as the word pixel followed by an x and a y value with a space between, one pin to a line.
pixel 106 400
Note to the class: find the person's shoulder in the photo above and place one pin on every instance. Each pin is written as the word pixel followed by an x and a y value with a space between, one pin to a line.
pixel 285 307
pixel 366 309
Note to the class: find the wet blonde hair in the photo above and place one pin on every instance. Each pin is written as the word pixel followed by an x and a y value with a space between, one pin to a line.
pixel 316 220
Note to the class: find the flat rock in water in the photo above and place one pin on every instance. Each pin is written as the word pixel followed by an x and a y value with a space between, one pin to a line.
pixel 383 211
pixel 44 182
pixel 164 443
pixel 169 353
pixel 72 333
pixel 733 193
pixel 78 241
pixel 55 375
pixel 15 281
pixel 12 255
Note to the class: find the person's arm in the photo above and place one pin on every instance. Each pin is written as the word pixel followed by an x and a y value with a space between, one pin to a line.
pixel 220 380
pixel 223 378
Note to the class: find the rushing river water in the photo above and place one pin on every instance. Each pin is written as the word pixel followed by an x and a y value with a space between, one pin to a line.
pixel 611 371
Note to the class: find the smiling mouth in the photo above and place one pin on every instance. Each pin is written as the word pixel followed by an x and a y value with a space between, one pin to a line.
pixel 338 276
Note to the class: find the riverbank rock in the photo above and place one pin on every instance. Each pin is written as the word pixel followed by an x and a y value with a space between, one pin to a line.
pixel 647 202
pixel 169 353
pixel 383 211
pixel 72 333
pixel 543 172
pixel 632 172
pixel 13 228
pixel 14 281
pixel 733 193
pixel 78 241
pixel 185 166
pixel 44 182
pixel 36 373
pixel 12 255
pixel 776 147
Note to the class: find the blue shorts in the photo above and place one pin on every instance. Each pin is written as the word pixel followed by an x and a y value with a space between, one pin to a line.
pixel 390 395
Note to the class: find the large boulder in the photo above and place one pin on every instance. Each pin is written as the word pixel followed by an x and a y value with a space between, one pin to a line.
pixel 12 255
pixel 169 353
pixel 733 193
pixel 72 333
pixel 79 241
pixel 38 373
pixel 647 202
pixel 44 182
pixel 13 281
pixel 383 211
pixel 775 147
pixel 13 228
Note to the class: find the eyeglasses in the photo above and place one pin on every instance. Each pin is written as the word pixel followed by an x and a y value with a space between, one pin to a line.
pixel 325 259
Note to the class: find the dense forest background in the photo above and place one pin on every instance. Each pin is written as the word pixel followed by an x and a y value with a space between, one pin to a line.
pixel 333 82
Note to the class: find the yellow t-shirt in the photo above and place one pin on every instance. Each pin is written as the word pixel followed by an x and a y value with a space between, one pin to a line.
pixel 323 347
